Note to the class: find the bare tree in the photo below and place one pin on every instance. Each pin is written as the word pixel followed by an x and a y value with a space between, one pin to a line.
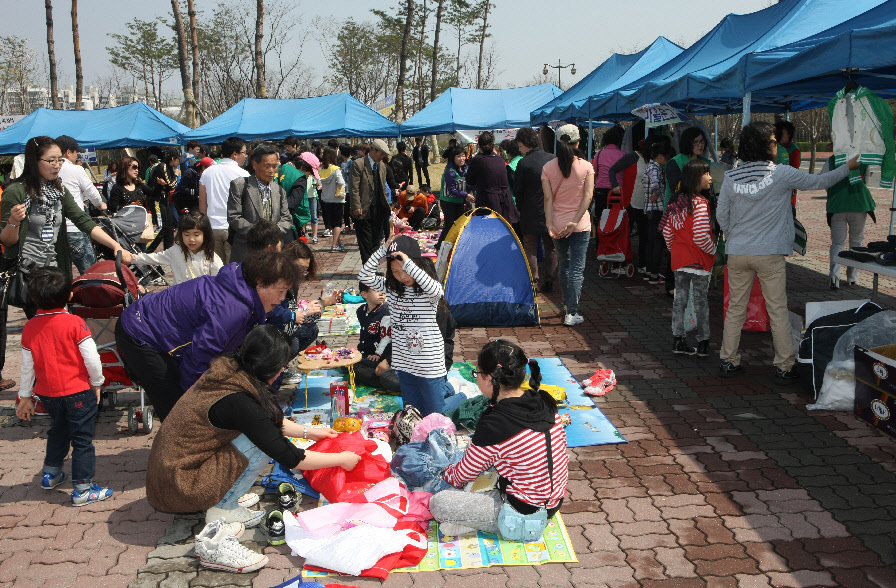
pixel 816 124
pixel 460 18
pixel 79 73
pixel 194 45
pixel 51 54
pixel 186 85
pixel 261 90
pixel 484 7
pixel 18 70
pixel 402 62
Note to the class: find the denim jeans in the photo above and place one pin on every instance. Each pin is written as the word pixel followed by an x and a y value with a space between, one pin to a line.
pixel 82 251
pixel 421 463
pixel 683 281
pixel 312 206
pixel 72 428
pixel 428 395
pixel 257 460
pixel 571 259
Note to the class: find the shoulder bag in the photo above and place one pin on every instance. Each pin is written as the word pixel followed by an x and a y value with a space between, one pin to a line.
pixel 516 526
pixel 14 277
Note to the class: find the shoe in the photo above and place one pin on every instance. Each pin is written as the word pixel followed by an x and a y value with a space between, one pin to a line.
pixel 728 369
pixel 327 233
pixel 338 249
pixel 93 494
pixel 647 277
pixel 655 279
pixel 835 283
pixel 248 499
pixel 788 378
pixel 217 530
pixel 274 528
pixel 6 384
pixel 703 348
pixel 681 346
pixel 573 319
pixel 228 555
pixel 240 514
pixel 850 282
pixel 601 382
pixel 288 497
pixel 642 270
pixel 547 287
pixel 291 378
pixel 49 481
pixel 314 240
pixel 158 282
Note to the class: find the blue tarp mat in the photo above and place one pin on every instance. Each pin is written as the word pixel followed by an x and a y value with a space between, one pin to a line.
pixel 617 71
pixel 134 125
pixel 459 109
pixel 336 115
pixel 714 65
pixel 488 281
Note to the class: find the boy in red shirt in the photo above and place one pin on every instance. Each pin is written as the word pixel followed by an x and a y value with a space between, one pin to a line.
pixel 61 365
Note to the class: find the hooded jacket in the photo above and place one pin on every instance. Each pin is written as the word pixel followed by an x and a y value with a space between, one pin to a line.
pixel 197 320
pixel 754 205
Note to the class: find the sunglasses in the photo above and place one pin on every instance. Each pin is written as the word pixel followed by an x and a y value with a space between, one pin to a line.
pixel 134 166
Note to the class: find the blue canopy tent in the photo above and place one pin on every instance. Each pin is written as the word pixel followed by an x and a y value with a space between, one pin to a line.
pixel 459 109
pixel 699 78
pixel 133 125
pixel 574 105
pixel 335 115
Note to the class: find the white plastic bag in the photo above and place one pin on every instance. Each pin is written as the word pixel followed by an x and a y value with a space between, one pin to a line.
pixel 838 392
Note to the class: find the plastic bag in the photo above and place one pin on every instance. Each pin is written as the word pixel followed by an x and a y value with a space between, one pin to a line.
pixel 421 463
pixel 757 315
pixel 838 392
pixel 338 485
pixel 432 422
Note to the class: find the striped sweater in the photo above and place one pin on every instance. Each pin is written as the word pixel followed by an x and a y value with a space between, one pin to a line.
pixel 689 236
pixel 417 345
pixel 522 460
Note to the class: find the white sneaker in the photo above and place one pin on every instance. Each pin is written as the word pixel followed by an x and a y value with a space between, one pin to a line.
pixel 328 233
pixel 228 555
pixel 290 378
pixel 248 499
pixel 573 319
pixel 217 530
pixel 240 514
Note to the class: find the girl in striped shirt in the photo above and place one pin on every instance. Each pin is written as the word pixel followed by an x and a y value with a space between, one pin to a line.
pixel 418 349
pixel 687 228
pixel 513 437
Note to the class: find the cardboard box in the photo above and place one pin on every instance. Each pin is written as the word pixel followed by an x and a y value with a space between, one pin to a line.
pixel 341 398
pixel 876 387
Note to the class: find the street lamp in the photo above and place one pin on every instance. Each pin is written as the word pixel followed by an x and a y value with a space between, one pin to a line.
pixel 558 67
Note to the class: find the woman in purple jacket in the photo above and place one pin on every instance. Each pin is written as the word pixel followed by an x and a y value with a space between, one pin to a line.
pixel 167 340
pixel 488 173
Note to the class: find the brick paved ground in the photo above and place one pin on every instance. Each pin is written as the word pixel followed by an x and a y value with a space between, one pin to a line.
pixel 723 483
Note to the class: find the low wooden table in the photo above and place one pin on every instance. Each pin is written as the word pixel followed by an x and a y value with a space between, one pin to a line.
pixel 310 365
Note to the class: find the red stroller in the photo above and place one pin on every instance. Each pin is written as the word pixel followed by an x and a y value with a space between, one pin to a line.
pixel 101 294
pixel 614 245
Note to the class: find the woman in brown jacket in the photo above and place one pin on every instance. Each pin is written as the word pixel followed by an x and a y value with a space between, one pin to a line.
pixel 225 429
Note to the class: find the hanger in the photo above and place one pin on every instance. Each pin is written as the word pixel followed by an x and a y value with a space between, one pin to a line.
pixel 851 84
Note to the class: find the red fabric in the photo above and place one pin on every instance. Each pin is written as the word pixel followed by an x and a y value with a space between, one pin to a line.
pixel 113 371
pixel 613 241
pixel 99 287
pixel 629 175
pixel 338 485
pixel 684 242
pixel 757 315
pixel 52 337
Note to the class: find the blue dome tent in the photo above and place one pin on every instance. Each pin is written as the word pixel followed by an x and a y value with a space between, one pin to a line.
pixel 488 280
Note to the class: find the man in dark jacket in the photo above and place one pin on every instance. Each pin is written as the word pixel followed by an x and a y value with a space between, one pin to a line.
pixel 402 166
pixel 421 160
pixel 530 202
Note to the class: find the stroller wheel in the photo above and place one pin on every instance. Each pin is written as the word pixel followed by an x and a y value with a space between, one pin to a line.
pixel 133 424
pixel 603 269
pixel 147 420
pixel 630 270
pixel 111 399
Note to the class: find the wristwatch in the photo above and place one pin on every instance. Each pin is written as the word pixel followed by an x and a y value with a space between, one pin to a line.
pixel 12 225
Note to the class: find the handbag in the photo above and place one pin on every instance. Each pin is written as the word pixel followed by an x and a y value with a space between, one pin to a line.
pixel 516 526
pixel 402 426
pixel 148 233
pixel 800 239
pixel 14 278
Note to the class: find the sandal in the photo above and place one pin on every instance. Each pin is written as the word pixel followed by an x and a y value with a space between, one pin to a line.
pixel 7 384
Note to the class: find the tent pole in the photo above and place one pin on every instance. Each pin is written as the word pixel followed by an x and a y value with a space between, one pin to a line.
pixel 748 97
pixel 893 210
pixel 715 132
pixel 787 114
pixel 591 144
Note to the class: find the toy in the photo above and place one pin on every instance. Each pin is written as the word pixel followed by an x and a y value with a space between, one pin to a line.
pixel 345 424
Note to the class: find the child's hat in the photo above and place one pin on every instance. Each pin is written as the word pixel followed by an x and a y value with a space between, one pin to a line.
pixel 406 245
pixel 411 189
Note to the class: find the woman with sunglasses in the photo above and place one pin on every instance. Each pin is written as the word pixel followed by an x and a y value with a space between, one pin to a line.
pixel 34 208
pixel 128 187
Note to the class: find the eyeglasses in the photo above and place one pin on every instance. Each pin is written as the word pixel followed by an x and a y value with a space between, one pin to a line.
pixel 699 142
pixel 55 161
pixel 477 372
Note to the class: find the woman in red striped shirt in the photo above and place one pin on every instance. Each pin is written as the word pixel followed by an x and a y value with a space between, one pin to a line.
pixel 513 436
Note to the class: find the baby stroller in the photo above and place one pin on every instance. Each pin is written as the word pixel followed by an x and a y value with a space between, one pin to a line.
pixel 126 226
pixel 99 296
pixel 614 245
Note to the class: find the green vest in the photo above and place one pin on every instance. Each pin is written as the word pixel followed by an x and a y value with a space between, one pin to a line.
pixel 784 153
pixel 287 175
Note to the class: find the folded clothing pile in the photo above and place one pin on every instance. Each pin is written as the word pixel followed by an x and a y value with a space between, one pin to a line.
pixel 600 383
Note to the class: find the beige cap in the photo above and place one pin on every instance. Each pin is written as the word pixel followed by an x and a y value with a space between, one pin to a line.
pixel 380 145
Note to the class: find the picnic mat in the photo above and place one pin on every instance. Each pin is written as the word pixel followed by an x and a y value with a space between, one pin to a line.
pixel 481 550
pixel 588 425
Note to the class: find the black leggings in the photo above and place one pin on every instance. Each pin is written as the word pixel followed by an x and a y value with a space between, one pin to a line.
pixel 157 372
pixel 452 211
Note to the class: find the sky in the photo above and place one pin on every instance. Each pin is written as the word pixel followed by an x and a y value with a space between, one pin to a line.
pixel 527 33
